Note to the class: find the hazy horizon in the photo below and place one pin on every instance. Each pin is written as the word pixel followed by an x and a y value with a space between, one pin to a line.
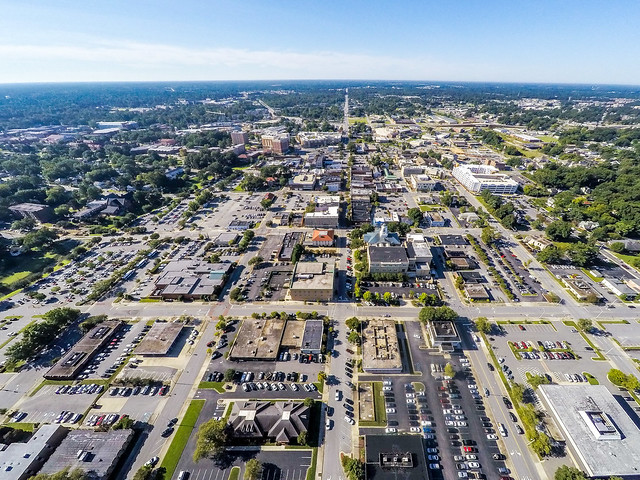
pixel 572 42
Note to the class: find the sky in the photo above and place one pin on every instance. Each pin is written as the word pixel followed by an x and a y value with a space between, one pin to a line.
pixel 560 41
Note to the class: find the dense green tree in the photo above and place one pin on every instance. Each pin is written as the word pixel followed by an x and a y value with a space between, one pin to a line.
pixel 483 325
pixel 253 469
pixel 585 324
pixel 559 230
pixel 565 472
pixel 211 439
pixel 353 323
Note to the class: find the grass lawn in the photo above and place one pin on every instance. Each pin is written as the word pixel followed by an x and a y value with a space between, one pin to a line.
pixel 311 471
pixel 27 427
pixel 181 437
pixel 20 267
pixel 418 386
pixel 430 208
pixel 217 386
pixel 626 258
pixel 234 474
pixel 49 382
pixel 588 274
pixel 591 379
pixel 378 407
pixel 596 350
pixel 353 120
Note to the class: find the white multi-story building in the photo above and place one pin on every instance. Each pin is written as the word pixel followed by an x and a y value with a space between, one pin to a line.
pixel 476 178
pixel 423 183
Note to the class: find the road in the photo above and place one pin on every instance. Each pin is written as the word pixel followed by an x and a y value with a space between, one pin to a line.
pixel 346 112
pixel 518 454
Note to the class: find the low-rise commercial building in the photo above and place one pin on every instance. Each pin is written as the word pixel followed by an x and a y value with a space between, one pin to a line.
pixel 443 335
pixel 280 422
pixel 73 362
pixel 423 183
pixel 619 288
pixel 387 259
pixel 601 436
pixel 159 339
pixel 380 352
pixel 312 337
pixel 313 282
pixel 305 181
pixel 93 452
pixel 322 238
pixel 39 213
pixel 191 280
pixel 329 218
pixel 20 461
pixel 258 339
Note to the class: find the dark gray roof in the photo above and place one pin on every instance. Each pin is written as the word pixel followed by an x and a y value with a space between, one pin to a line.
pixel 280 421
pixel 388 254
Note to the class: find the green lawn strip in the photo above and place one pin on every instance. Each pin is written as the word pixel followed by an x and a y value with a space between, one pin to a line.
pixel 311 471
pixel 495 362
pixel 635 397
pixel 181 437
pixel 592 277
pixel 234 474
pixel 599 356
pixel 49 382
pixel 217 386
pixel 9 295
pixel 380 413
pixel 590 378
pixel 13 317
pixel 19 332
pixel 526 322
pixel 628 259
pixel 418 386
pixel 27 427
pixel 516 352
pixel 150 300
pixel 319 386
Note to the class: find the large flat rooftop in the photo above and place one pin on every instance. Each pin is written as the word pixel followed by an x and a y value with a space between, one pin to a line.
pixel 380 350
pixel 100 452
pixel 258 339
pixel 74 361
pixel 394 457
pixel 602 436
pixel 159 339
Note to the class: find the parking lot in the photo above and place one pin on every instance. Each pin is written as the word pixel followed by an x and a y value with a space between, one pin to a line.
pixel 449 414
pixel 555 368
pixel 276 465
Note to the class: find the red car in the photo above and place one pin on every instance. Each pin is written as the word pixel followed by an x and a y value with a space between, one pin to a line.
pixel 164 390
pixel 211 343
pixel 469 449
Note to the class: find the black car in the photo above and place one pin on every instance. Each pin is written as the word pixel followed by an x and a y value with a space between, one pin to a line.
pixel 491 367
pixel 507 402
pixel 512 417
pixel 167 431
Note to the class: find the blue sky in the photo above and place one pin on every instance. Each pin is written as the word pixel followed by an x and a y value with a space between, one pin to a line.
pixel 565 41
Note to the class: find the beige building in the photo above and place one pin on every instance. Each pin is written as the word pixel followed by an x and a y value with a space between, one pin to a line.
pixel 276 143
pixel 313 282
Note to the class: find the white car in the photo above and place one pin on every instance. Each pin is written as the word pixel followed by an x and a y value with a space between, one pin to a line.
pixel 492 436
pixel 473 464
pixel 390 430
pixel 391 410
pixel 414 429
pixel 463 475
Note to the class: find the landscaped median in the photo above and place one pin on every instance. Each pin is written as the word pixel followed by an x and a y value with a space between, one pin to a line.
pixel 217 386
pixel 379 414
pixel 181 437
pixel 596 350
